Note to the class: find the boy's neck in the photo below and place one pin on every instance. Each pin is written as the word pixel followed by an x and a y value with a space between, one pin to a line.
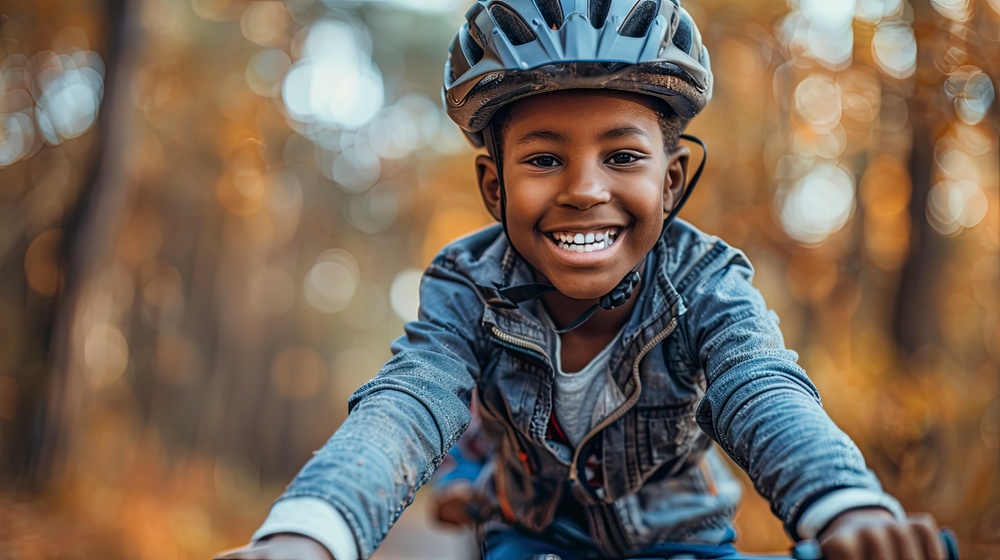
pixel 605 324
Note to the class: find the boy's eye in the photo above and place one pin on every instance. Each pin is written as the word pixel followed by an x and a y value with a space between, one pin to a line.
pixel 545 161
pixel 623 158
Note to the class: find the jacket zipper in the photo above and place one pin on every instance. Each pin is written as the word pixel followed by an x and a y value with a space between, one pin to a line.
pixel 574 475
pixel 612 527
pixel 518 342
pixel 613 533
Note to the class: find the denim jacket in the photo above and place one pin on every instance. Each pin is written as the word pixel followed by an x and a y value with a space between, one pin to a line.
pixel 700 359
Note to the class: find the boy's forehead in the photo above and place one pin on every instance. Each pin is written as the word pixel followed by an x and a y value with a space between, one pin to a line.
pixel 581 108
pixel 599 98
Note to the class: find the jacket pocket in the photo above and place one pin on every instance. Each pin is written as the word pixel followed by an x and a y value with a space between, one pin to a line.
pixel 665 436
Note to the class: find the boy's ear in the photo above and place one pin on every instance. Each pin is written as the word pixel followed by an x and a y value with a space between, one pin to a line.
pixel 489 184
pixel 676 178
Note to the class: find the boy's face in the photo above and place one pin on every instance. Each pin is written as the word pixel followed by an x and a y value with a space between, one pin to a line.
pixel 588 184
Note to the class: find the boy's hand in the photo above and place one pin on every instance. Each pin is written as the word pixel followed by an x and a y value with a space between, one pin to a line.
pixel 454 501
pixel 874 534
pixel 282 546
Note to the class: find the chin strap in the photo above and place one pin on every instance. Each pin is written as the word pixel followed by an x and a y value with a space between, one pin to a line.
pixel 512 296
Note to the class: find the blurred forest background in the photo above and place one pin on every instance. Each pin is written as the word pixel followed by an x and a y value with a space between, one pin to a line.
pixel 214 214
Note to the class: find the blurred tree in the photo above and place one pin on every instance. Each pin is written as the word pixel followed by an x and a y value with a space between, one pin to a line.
pixel 35 338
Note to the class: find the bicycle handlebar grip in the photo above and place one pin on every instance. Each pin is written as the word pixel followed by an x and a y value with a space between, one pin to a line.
pixel 809 549
pixel 950 543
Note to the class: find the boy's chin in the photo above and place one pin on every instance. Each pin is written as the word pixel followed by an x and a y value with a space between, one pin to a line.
pixel 589 292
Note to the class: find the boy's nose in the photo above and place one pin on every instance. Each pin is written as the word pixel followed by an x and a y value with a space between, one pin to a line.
pixel 584 187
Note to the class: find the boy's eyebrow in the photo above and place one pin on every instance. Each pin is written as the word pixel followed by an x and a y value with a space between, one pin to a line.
pixel 556 137
pixel 625 131
pixel 539 135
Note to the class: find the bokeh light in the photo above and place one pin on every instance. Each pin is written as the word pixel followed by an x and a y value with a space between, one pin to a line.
pixel 376 210
pixel 873 11
pixel 404 294
pixel 332 281
pixel 41 266
pixel 106 354
pixel 355 169
pixel 817 100
pixel 894 48
pixel 971 90
pixel 818 204
pixel 266 23
pixel 433 6
pixel 954 205
pixel 333 82
pixel 52 96
pixel 266 71
pixel 885 191
pixel 955 10
pixel 68 94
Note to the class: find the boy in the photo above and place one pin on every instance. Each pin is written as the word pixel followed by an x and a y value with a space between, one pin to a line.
pixel 605 348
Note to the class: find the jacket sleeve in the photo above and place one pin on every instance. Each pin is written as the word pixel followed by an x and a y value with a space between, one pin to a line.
pixel 759 405
pixel 402 422
pixel 466 459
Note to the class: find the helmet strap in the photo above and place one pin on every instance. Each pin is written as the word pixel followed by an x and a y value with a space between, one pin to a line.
pixel 493 149
pixel 691 184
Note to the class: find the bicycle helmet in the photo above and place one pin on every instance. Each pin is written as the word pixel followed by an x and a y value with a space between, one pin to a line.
pixel 510 49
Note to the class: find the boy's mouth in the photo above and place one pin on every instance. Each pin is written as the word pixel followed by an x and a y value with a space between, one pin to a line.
pixel 589 242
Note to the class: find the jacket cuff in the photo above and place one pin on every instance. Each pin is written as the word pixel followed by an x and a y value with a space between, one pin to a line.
pixel 313 518
pixel 820 513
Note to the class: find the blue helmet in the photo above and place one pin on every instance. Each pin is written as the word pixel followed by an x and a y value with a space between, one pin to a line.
pixel 510 49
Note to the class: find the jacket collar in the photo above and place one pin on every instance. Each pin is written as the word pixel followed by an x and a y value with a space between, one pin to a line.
pixel 658 302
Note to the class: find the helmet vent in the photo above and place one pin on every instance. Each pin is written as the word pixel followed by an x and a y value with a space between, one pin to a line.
pixel 682 37
pixel 551 10
pixel 638 21
pixel 516 30
pixel 599 12
pixel 473 52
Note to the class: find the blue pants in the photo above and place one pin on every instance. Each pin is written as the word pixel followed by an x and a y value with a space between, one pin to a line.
pixel 517 544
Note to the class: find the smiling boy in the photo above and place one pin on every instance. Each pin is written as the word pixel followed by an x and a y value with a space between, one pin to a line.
pixel 607 345
pixel 572 181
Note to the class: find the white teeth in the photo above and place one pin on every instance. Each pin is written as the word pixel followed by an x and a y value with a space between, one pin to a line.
pixel 585 242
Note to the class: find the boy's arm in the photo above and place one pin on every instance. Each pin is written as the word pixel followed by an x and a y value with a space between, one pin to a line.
pixel 465 459
pixel 400 426
pixel 454 491
pixel 763 410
